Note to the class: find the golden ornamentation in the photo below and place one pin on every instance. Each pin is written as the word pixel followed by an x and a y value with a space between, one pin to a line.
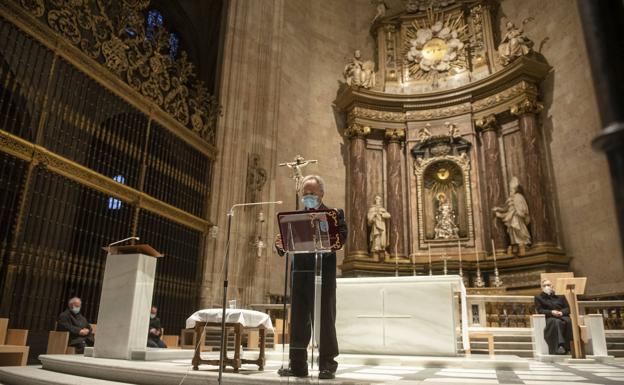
pixel 486 123
pixel 387 116
pixel 27 151
pixel 507 95
pixel 114 34
pixel 435 44
pixel 395 134
pixel 438 112
pixel 357 130
pixel 527 106
pixel 420 166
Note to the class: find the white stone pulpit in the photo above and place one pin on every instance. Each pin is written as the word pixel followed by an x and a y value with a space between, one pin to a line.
pixel 123 318
pixel 401 315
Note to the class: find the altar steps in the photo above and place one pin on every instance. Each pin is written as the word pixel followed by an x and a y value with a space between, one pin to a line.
pixel 36 375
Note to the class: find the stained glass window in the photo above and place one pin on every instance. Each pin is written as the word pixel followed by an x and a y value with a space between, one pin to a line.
pixel 155 20
pixel 115 204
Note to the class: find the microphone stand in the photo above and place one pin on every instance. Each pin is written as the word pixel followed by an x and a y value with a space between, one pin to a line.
pixel 226 258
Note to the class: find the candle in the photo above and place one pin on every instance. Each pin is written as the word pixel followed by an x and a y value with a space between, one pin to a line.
pixel 493 250
pixel 429 248
pixel 459 250
pixel 477 252
pixel 396 255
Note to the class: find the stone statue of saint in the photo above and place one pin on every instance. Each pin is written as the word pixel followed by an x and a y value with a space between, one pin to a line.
pixel 377 216
pixel 515 216
pixel 445 227
pixel 453 131
pixel 359 73
pixel 514 43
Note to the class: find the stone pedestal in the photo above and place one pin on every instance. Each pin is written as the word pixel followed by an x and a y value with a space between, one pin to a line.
pixel 123 318
pixel 394 188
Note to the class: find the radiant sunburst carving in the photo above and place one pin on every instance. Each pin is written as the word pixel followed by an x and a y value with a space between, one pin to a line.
pixel 436 44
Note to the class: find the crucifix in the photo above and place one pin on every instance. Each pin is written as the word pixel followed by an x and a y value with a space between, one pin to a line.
pixel 383 316
pixel 297 166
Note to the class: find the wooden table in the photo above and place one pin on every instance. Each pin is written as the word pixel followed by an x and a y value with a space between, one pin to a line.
pixel 237 361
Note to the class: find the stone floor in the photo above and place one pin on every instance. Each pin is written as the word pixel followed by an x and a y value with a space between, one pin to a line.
pixel 537 373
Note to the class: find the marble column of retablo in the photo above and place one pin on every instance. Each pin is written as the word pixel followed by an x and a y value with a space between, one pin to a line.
pixel 535 185
pixel 495 185
pixel 394 188
pixel 357 240
pixel 123 317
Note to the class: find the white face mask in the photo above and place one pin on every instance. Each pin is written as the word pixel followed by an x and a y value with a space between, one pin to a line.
pixel 548 289
pixel 152 315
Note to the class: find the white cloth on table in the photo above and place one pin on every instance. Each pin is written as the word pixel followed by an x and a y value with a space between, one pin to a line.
pixel 246 318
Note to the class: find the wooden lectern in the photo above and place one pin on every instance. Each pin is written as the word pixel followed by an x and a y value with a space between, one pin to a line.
pixel 127 289
pixel 571 287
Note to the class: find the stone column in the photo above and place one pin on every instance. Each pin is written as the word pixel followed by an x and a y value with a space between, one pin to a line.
pixel 535 185
pixel 357 245
pixel 394 187
pixel 494 181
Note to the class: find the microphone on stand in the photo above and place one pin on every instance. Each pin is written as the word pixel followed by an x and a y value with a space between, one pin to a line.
pixel 230 214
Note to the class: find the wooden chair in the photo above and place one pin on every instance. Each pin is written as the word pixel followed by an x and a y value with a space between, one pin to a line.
pixel 13 349
pixel 58 341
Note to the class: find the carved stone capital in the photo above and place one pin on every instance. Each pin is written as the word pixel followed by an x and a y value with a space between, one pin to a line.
pixel 395 134
pixel 486 123
pixel 357 131
pixel 527 106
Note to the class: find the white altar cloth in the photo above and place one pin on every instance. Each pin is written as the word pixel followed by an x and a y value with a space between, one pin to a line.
pixel 401 315
pixel 247 318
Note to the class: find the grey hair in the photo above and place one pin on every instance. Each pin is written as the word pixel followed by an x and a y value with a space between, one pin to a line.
pixel 315 178
pixel 72 299
pixel 544 280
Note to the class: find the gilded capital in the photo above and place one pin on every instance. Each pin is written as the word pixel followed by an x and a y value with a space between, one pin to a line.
pixel 357 130
pixel 527 106
pixel 486 123
pixel 395 134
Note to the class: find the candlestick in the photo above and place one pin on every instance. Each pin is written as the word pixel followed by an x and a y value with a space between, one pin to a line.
pixel 396 257
pixel 414 265
pixel 461 272
pixel 429 248
pixel 479 279
pixel 497 281
pixel 445 258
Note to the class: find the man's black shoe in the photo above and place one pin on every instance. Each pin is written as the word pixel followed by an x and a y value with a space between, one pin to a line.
pixel 289 372
pixel 326 375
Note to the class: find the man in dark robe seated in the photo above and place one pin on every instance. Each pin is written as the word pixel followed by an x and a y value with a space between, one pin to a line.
pixel 558 331
pixel 155 331
pixel 80 331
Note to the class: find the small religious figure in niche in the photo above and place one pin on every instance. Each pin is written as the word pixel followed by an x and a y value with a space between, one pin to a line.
pixel 514 43
pixel 445 227
pixel 453 131
pixel 377 216
pixel 515 216
pixel 424 133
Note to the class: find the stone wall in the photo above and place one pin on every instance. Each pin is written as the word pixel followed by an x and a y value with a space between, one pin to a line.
pixel 587 227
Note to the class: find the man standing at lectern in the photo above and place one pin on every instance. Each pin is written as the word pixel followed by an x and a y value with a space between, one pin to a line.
pixel 302 306
pixel 558 331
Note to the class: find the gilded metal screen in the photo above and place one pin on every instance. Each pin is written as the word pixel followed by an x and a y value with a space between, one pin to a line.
pixel 85 160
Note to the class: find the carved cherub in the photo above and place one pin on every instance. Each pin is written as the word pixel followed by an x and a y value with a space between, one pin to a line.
pixel 424 133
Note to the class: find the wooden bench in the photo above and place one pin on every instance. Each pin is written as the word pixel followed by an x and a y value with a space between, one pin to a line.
pixel 486 335
pixel 236 361
pixel 13 349
pixel 58 342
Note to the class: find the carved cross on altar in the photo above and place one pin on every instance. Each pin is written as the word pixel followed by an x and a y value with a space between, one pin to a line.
pixel 383 316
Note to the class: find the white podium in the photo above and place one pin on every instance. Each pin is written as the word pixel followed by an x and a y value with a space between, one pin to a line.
pixel 123 317
pixel 401 315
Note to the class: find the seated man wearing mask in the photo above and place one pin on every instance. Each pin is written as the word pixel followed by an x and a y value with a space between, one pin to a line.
pixel 302 304
pixel 155 331
pixel 558 331
pixel 80 332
